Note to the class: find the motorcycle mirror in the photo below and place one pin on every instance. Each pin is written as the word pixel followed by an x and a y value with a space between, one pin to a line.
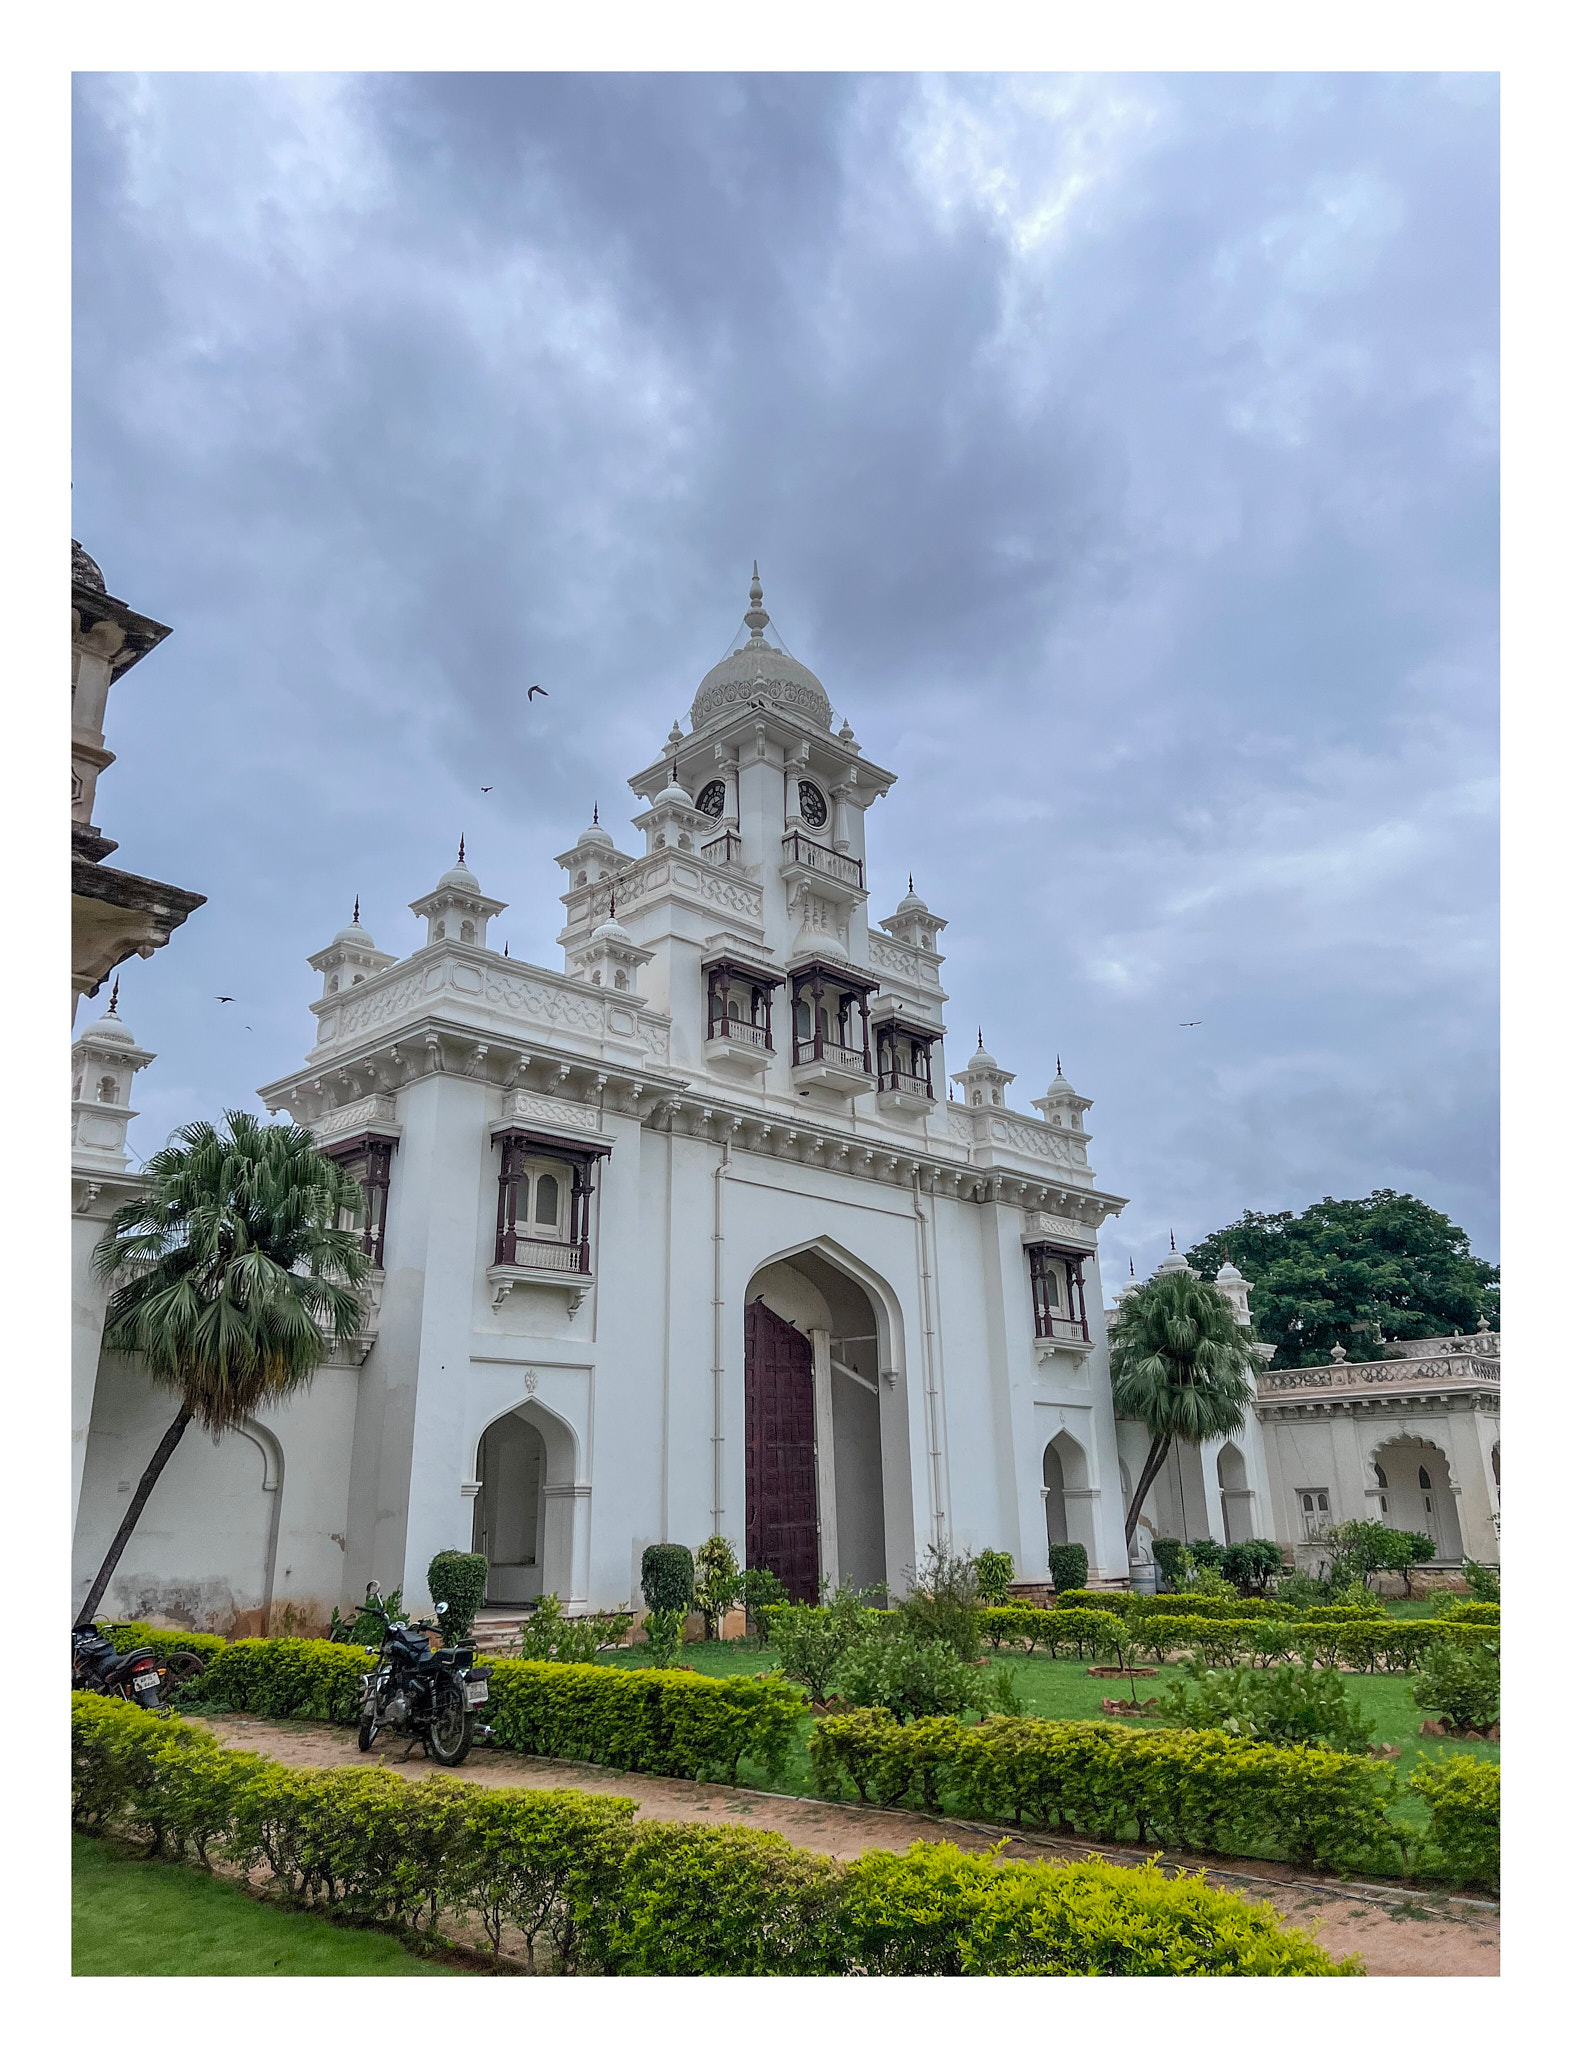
pixel 442 1607
pixel 373 1586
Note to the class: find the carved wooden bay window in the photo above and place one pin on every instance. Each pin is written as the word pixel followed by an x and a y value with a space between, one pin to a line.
pixel 1059 1291
pixel 368 1160
pixel 739 1002
pixel 906 1058
pixel 544 1185
pixel 829 1010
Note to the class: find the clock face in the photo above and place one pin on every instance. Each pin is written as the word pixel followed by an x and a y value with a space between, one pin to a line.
pixel 711 799
pixel 810 801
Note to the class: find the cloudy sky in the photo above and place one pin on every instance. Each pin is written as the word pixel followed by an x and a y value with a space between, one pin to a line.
pixel 1120 451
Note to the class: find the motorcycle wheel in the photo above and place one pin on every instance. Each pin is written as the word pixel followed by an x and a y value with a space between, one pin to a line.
pixel 452 1728
pixel 368 1732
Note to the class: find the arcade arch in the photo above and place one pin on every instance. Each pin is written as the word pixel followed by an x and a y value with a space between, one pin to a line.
pixel 1414 1476
pixel 526 1463
pixel 1067 1493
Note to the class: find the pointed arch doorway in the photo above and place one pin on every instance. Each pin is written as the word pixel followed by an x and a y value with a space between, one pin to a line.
pixel 782 1484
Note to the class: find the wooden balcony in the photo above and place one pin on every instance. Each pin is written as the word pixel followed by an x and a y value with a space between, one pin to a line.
pixel 910 1094
pixel 822 1063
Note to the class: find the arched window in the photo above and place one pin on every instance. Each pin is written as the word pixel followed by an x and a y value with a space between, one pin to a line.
pixel 442 928
pixel 622 979
pixel 1424 1480
pixel 995 1098
pixel 581 878
pixel 358 979
pixel 108 1090
pixel 332 984
pixel 547 1200
pixel 467 932
pixel 1380 1477
pixel 977 1098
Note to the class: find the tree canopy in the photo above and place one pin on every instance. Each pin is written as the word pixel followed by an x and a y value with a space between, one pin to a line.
pixel 1357 1273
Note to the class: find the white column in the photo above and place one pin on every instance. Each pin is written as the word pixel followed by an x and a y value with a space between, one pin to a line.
pixel 566 1548
pixel 824 1446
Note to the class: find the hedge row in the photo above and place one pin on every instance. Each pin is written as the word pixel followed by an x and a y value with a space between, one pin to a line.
pixel 1481 1613
pixel 1197 1790
pixel 674 1724
pixel 1367 1643
pixel 591 1889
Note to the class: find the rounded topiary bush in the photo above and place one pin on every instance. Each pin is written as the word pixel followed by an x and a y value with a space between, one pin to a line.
pixel 459 1577
pixel 1067 1563
pixel 666 1578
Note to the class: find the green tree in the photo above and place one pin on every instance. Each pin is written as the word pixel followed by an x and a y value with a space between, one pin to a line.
pixel 1355 1273
pixel 1179 1365
pixel 717 1582
pixel 231 1280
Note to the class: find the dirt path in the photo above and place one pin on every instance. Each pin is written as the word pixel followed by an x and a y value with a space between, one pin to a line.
pixel 1398 1935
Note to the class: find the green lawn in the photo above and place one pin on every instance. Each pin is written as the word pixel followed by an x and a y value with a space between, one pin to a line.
pixel 132 1918
pixel 1060 1689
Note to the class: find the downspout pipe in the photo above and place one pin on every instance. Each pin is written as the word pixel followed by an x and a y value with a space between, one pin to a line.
pixel 718 1355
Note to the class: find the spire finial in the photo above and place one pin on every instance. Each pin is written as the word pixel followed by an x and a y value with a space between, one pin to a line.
pixel 596 819
pixel 1132 1269
pixel 911 886
pixel 504 949
pixel 613 918
pixel 756 618
pixel 114 998
pixel 979 1041
pixel 1058 1066
pixel 461 850
pixel 356 918
pixel 1171 1245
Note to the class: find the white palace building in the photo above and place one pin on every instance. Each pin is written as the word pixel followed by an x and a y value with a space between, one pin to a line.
pixel 701 1232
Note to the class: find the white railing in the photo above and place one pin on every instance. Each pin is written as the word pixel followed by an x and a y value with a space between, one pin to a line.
pixel 808 853
pixel 1375 1377
pixel 544 1256
pixel 733 1027
pixel 905 1084
pixel 809 1053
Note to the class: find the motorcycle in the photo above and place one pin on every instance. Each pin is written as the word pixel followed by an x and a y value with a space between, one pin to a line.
pixel 140 1675
pixel 419 1691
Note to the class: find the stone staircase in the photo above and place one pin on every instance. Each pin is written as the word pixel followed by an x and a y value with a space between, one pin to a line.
pixel 496 1630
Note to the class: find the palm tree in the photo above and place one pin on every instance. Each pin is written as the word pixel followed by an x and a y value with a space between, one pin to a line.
pixel 233 1280
pixel 1179 1364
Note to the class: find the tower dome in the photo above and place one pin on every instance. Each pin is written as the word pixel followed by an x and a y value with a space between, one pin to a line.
pixel 85 570
pixel 759 668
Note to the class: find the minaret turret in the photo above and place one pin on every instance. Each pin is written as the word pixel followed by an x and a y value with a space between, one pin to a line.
pixel 456 910
pixel 104 1062
pixel 983 1080
pixel 350 956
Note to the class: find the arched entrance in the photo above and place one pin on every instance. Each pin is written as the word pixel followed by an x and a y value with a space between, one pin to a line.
pixel 815 1420
pixel 1415 1479
pixel 1233 1483
pixel 1067 1498
pixel 524 1521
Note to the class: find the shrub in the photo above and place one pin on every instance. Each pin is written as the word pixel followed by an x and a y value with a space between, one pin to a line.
pixel 1198 1790
pixel 1067 1565
pixel 1209 1582
pixel 1464 1798
pixel 1298 1589
pixel 1208 1553
pixel 1482 1580
pixel 911 1675
pixel 280 1677
pixel 1285 1703
pixel 580 1879
pixel 812 1640
pixel 364 1626
pixel 1358 1550
pixel 995 1575
pixel 549 1635
pixel 942 1601
pixel 1252 1566
pixel 1173 1560
pixel 717 1582
pixel 1475 1613
pixel 666 1578
pixel 938 1911
pixel 760 1589
pixel 1460 1683
pixel 663 1633
pixel 459 1577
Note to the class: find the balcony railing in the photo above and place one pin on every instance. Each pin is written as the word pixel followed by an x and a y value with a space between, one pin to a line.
pixel 746 1034
pixel 808 1052
pixel 1374 1377
pixel 724 851
pixel 808 853
pixel 545 1255
pixel 1078 1329
pixel 912 1085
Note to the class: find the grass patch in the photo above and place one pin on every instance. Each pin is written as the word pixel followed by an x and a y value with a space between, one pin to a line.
pixel 135 1918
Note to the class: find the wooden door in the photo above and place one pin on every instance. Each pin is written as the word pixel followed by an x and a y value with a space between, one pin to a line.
pixel 783 1495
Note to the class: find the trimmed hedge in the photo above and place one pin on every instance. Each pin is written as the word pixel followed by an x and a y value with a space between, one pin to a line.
pixel 1464 1798
pixel 589 1887
pixel 1178 1788
pixel 675 1724
pixel 1347 1637
pixel 1067 1565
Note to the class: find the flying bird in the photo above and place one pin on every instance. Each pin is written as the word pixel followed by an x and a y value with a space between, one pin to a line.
pixel 486 788
pixel 223 999
pixel 1192 1024
pixel 535 690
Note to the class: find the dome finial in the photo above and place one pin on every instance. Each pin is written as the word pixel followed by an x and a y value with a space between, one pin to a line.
pixel 461 850
pixel 979 1041
pixel 1132 1269
pixel 114 998
pixel 911 886
pixel 1058 1066
pixel 595 820
pixel 356 918
pixel 756 618
pixel 1171 1245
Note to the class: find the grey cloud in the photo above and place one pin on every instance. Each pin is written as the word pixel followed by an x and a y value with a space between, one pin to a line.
pixel 1121 452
